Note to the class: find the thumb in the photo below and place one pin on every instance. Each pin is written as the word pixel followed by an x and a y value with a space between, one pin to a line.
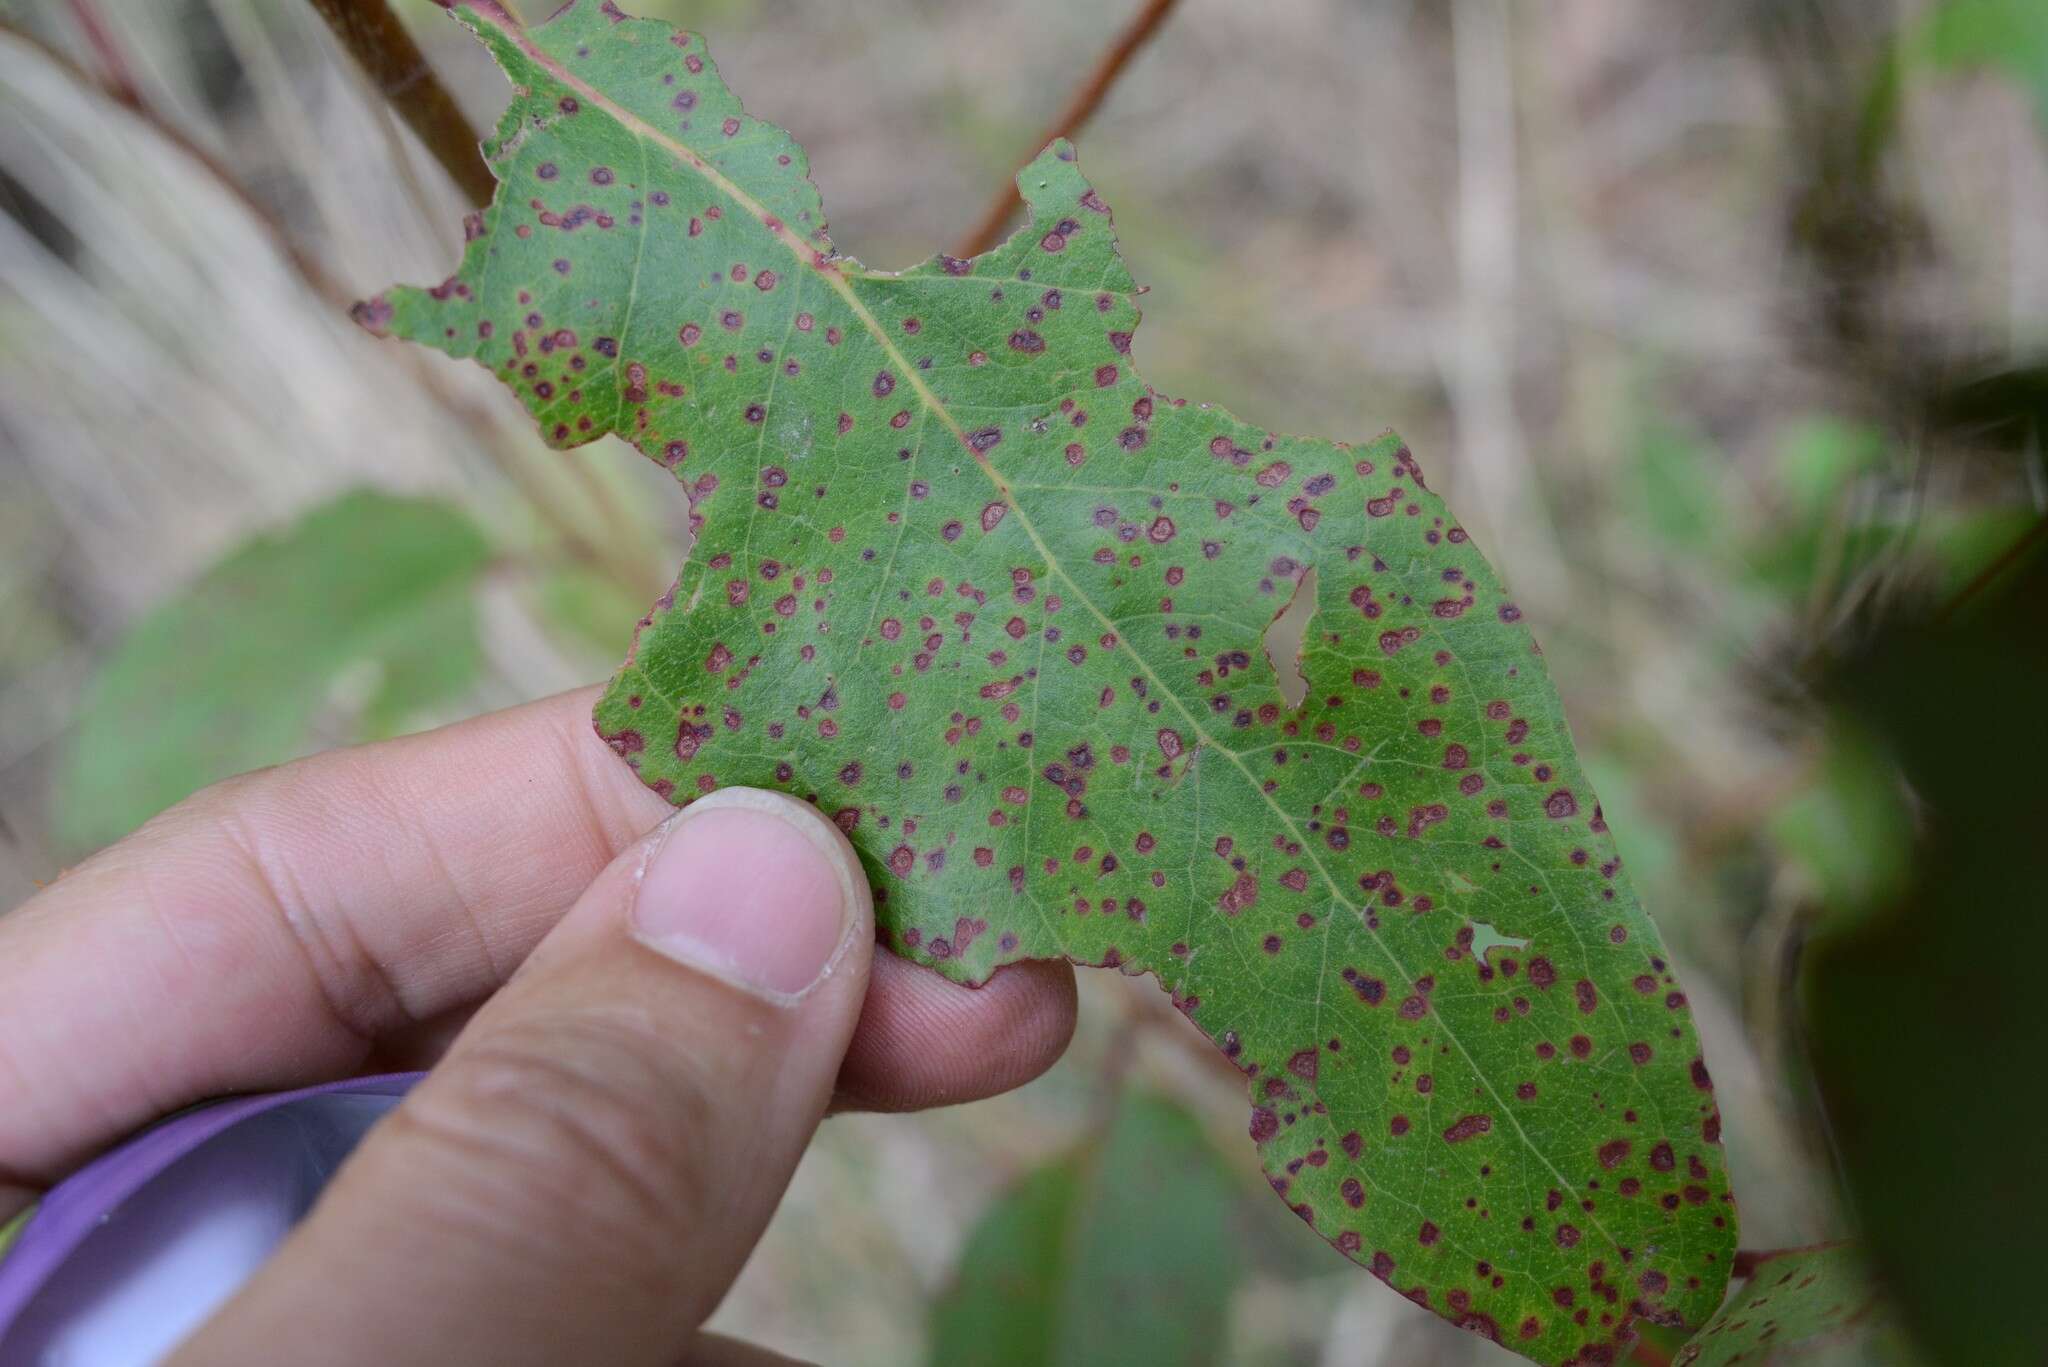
pixel 584 1174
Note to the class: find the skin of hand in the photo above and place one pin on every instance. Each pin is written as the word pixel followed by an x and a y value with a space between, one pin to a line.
pixel 636 1019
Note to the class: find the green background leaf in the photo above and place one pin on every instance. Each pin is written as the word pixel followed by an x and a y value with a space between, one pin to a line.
pixel 964 580
pixel 1920 995
pixel 1123 1251
pixel 357 616
pixel 1812 1306
pixel 592 614
pixel 2010 36
pixel 11 1231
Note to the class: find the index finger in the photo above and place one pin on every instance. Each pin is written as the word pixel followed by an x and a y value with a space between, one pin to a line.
pixel 267 932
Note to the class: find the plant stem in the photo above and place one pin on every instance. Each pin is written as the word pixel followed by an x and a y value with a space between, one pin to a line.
pixel 1991 573
pixel 580 545
pixel 1081 105
pixel 401 74
pixel 380 44
pixel 120 82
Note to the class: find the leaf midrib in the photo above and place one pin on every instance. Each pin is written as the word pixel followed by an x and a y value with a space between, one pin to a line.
pixel 827 266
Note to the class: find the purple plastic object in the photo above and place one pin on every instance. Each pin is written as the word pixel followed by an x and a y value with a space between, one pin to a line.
pixel 130 1253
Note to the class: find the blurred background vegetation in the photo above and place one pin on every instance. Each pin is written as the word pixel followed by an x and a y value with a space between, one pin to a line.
pixel 1724 325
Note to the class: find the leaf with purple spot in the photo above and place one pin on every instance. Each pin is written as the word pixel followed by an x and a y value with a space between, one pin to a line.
pixel 962 579
pixel 1806 1305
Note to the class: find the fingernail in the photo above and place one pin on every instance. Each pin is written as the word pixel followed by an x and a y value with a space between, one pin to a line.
pixel 750 887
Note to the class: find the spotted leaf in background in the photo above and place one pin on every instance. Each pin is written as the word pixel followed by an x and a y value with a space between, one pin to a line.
pixel 1815 1306
pixel 964 580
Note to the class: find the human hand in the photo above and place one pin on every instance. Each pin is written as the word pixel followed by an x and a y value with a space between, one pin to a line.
pixel 635 1018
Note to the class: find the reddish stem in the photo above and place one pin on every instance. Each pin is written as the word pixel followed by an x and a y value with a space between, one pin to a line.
pixel 384 49
pixel 1087 97
pixel 120 83
pixel 1991 573
pixel 579 544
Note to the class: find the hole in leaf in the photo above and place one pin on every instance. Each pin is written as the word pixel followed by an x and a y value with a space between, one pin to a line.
pixel 1283 639
pixel 1485 939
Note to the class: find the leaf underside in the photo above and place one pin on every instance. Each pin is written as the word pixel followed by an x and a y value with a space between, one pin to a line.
pixel 963 580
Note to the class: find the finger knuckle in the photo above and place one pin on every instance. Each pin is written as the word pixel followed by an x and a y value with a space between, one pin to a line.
pixel 575 1117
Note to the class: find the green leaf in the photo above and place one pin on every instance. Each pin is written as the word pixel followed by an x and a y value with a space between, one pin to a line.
pixel 1683 503
pixel 1123 1251
pixel 1812 1306
pixel 1819 459
pixel 965 581
pixel 1849 830
pixel 359 615
pixel 589 611
pixel 1922 1021
pixel 11 1231
pixel 2010 36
